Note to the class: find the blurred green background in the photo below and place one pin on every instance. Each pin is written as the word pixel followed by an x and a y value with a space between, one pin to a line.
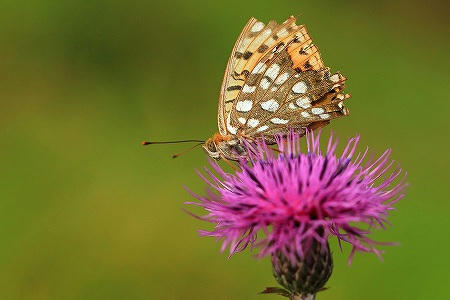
pixel 87 213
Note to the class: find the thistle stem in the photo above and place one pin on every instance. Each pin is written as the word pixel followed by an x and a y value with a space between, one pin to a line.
pixel 304 297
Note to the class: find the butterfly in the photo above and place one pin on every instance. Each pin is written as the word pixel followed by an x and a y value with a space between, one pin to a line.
pixel 274 82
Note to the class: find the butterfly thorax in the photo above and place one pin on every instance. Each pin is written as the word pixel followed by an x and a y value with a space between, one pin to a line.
pixel 229 147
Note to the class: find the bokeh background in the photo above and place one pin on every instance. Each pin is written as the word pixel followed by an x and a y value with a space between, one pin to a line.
pixel 87 213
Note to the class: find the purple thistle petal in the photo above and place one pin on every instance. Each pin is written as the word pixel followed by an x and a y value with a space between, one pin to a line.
pixel 294 198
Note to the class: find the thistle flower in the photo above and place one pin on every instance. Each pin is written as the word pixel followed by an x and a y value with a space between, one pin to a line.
pixel 298 200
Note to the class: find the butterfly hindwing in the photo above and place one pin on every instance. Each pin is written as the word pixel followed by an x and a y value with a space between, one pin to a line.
pixel 275 80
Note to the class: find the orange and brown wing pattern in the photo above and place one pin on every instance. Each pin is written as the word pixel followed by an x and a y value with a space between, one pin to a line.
pixel 276 80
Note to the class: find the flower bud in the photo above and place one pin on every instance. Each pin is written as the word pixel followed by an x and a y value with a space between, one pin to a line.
pixel 307 274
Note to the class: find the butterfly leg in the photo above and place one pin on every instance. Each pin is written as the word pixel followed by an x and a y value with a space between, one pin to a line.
pixel 228 162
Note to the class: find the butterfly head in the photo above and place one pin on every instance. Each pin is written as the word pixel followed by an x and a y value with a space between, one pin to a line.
pixel 213 144
pixel 211 148
pixel 228 147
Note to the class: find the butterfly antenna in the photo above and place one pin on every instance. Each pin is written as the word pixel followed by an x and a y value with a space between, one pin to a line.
pixel 145 143
pixel 187 150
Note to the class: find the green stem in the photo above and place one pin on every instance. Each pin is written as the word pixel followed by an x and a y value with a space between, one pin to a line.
pixel 304 297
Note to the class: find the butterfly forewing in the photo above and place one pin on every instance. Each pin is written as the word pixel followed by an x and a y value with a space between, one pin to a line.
pixel 247 55
pixel 232 83
pixel 276 81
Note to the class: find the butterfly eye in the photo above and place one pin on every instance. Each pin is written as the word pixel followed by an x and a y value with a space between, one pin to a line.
pixel 212 147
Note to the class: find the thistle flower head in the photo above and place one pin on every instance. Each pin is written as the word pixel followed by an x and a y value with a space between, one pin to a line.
pixel 299 198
